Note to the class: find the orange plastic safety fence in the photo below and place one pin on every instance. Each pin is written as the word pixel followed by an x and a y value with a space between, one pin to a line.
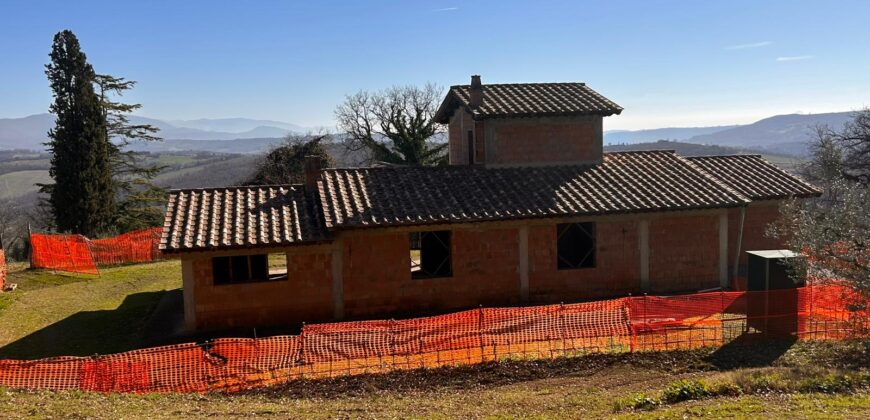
pixel 62 252
pixel 77 254
pixel 132 247
pixel 620 325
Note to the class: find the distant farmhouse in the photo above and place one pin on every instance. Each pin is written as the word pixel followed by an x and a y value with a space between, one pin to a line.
pixel 530 210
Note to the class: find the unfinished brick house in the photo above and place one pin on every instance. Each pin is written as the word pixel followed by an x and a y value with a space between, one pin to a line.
pixel 529 211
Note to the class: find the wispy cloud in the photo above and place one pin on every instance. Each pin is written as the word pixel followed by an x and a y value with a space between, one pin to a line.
pixel 446 9
pixel 747 46
pixel 795 58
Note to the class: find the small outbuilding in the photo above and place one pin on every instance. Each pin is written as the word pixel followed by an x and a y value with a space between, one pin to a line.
pixel 529 211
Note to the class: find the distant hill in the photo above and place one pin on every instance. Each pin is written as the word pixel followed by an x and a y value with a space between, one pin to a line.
pixel 247 146
pixel 784 161
pixel 788 134
pixel 682 148
pixel 670 133
pixel 236 125
pixel 781 134
pixel 31 132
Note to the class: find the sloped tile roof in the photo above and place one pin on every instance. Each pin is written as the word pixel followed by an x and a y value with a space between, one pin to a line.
pixel 626 182
pixel 528 100
pixel 240 217
pixel 755 177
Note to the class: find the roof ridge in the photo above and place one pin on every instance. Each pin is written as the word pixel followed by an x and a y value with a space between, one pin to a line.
pixel 642 151
pixel 235 187
pixel 523 84
pixel 728 156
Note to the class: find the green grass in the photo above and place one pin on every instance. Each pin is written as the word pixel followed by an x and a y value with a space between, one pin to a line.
pixel 58 314
pixel 15 184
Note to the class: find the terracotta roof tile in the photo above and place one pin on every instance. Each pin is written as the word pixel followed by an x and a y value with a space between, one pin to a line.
pixel 528 100
pixel 755 177
pixel 239 217
pixel 626 182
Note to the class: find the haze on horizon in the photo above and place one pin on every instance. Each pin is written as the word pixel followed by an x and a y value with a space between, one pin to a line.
pixel 668 63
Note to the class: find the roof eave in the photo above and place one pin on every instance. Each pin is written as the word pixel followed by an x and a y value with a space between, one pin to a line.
pixel 178 252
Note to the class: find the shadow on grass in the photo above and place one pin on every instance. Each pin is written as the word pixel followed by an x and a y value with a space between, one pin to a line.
pixel 91 332
pixel 750 350
pixel 668 364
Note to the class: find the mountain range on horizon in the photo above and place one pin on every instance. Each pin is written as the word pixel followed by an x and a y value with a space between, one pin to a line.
pixel 783 134
pixel 31 131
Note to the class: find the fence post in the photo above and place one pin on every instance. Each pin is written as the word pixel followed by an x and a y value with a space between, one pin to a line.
pixel 301 357
pixel 645 322
pixel 393 342
pixel 30 245
pixel 562 327
pixel 480 331
pixel 630 325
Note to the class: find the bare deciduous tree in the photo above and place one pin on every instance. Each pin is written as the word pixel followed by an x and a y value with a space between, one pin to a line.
pixel 834 229
pixel 394 125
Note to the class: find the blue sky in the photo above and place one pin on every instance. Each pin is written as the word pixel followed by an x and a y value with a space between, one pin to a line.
pixel 669 63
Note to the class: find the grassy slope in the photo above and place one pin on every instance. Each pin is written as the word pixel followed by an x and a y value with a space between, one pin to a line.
pixel 52 314
pixel 15 184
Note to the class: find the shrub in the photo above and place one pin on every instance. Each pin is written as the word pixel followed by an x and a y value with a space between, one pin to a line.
pixel 638 402
pixel 834 382
pixel 755 382
pixel 684 390
pixel 726 389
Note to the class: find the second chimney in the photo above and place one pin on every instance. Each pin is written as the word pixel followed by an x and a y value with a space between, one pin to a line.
pixel 475 94
pixel 312 172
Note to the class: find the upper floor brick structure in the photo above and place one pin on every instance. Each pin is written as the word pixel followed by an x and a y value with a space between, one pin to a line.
pixel 524 123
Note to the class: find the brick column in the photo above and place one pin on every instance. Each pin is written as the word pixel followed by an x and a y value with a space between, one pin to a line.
pixel 524 263
pixel 188 282
pixel 337 281
pixel 643 244
pixel 723 249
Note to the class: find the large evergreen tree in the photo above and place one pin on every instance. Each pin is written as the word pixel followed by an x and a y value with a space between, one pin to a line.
pixel 140 201
pixel 82 197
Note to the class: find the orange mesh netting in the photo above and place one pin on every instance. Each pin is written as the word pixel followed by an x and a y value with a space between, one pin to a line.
pixel 132 247
pixel 77 254
pixel 62 252
pixel 612 326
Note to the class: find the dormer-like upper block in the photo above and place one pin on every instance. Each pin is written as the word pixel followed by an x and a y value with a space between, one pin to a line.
pixel 524 123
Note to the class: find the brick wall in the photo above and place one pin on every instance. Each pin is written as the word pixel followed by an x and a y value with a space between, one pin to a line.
pixel 616 272
pixel 457 135
pixel 758 217
pixel 684 253
pixel 306 296
pixel 377 278
pixel 544 140
pixel 684 256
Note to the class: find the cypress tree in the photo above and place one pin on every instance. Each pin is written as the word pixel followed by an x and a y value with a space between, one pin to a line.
pixel 82 198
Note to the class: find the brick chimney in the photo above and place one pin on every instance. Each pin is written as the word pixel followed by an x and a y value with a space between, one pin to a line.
pixel 312 172
pixel 476 93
